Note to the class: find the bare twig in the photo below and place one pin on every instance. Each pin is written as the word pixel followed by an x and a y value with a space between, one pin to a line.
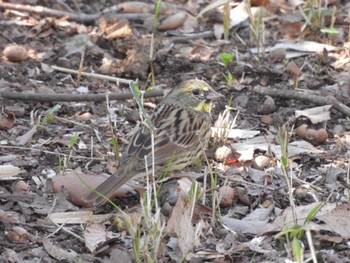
pixel 78 17
pixel 303 95
pixel 93 75
pixel 83 18
pixel 28 149
pixel 43 97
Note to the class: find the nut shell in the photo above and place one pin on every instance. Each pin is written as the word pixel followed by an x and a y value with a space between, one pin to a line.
pixel 15 53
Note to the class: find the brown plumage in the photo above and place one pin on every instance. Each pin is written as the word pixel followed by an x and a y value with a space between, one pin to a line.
pixel 182 128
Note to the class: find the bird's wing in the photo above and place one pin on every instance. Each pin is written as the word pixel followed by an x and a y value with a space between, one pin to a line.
pixel 174 137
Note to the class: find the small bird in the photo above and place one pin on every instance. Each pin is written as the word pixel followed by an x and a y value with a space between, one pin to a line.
pixel 182 124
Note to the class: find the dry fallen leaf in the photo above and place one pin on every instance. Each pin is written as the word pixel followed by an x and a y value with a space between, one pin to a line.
pixel 120 29
pixel 7 122
pixel 252 223
pixel 96 234
pixel 180 221
pixel 332 217
pixel 8 171
pixel 316 114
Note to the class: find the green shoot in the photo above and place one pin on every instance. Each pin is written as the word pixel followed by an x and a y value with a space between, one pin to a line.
pixel 297 250
pixel 136 92
pixel 296 233
pixel 49 116
pixel 72 142
pixel 226 58
pixel 114 143
pixel 151 53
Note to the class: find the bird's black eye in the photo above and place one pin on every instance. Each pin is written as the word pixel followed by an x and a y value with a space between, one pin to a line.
pixel 195 92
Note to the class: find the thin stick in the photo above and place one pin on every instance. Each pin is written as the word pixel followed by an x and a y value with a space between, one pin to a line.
pixel 93 75
pixel 43 97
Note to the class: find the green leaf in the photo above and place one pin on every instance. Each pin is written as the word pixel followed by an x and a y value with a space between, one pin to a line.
pixel 49 116
pixel 330 30
pixel 195 191
pixel 313 212
pixel 137 95
pixel 156 13
pixel 226 58
pixel 73 140
pixel 297 249
pixel 112 142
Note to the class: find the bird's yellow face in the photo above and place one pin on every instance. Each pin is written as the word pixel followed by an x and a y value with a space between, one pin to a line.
pixel 195 94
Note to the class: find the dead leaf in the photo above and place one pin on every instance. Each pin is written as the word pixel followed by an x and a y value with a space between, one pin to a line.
pixel 78 217
pixel 119 29
pixel 95 234
pixel 8 171
pixel 58 252
pixel 22 140
pixel 316 114
pixel 7 122
pixel 332 217
pixel 292 29
pixel 180 221
pixel 252 223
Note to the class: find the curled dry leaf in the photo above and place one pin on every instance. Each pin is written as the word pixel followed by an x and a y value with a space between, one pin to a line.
pixel 15 53
pixel 7 122
pixel 120 29
pixel 173 21
pixel 292 29
pixel 17 234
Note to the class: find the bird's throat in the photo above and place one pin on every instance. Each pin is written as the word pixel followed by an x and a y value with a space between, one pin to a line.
pixel 203 106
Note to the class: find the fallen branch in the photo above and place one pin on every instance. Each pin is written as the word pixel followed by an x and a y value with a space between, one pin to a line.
pixel 77 17
pixel 303 95
pixel 83 18
pixel 43 97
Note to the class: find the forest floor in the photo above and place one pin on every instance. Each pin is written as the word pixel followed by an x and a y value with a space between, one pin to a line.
pixel 275 186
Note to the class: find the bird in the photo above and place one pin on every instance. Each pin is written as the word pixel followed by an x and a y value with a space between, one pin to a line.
pixel 182 129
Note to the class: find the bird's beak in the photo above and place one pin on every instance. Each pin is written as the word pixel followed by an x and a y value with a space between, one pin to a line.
pixel 213 95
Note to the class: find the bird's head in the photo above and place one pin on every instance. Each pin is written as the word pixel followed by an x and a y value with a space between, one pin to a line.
pixel 194 93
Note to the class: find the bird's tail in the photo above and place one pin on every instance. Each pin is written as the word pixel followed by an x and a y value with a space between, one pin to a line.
pixel 106 189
